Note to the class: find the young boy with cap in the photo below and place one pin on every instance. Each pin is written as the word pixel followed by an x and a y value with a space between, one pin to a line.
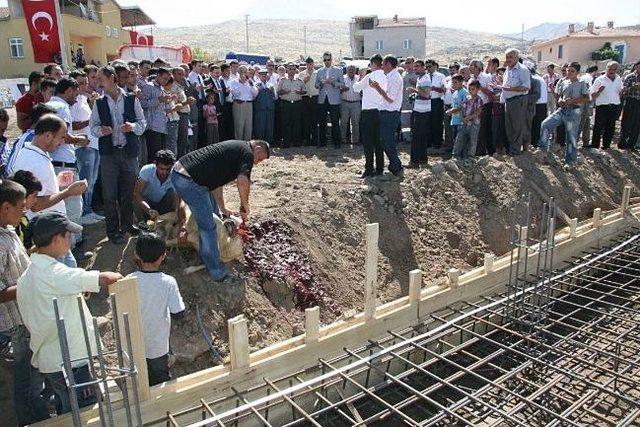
pixel 160 300
pixel 47 278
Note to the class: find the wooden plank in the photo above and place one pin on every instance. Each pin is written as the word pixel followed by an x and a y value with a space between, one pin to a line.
pixel 454 277
pixel 626 195
pixel 128 301
pixel 238 342
pixel 371 271
pixel 488 263
pixel 311 324
pixel 573 227
pixel 415 283
pixel 597 217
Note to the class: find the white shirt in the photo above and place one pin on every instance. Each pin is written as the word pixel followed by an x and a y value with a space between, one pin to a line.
pixel 394 91
pixel 371 99
pixel 485 80
pixel 447 92
pixel 243 91
pixel 350 95
pixel 65 152
pixel 422 105
pixel 438 80
pixel 33 159
pixel 611 93
pixel 159 298
pixel 45 279
pixel 80 112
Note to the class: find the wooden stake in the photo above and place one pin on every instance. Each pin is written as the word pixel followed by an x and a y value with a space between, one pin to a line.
pixel 573 227
pixel 454 275
pixel 415 283
pixel 626 195
pixel 597 215
pixel 128 301
pixel 371 271
pixel 312 324
pixel 488 263
pixel 238 342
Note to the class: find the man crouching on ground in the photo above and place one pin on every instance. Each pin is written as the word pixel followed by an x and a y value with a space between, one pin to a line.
pixel 198 178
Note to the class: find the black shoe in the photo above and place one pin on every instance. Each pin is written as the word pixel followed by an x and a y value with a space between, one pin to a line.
pixel 367 174
pixel 117 239
pixel 134 231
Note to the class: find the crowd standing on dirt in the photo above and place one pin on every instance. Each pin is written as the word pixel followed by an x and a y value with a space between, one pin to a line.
pixel 150 134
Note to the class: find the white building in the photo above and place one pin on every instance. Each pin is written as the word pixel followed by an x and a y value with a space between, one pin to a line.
pixel 401 37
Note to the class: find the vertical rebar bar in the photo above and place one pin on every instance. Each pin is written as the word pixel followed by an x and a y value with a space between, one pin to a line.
pixel 67 369
pixel 116 337
pixel 103 372
pixel 133 370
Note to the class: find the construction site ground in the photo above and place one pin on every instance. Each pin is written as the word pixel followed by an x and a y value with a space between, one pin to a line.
pixel 447 215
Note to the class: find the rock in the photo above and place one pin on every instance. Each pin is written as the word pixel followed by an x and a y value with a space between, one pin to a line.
pixel 451 166
pixel 485 160
pixel 332 203
pixel 438 168
pixel 316 186
pixel 448 194
pixel 477 178
pixel 453 239
pixel 415 191
pixel 298 330
pixel 324 192
pixel 379 199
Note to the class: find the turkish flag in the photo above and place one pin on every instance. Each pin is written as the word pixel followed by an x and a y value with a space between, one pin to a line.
pixel 141 39
pixel 43 28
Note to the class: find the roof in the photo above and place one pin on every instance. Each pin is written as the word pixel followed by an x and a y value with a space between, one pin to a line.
pixel 598 33
pixel 4 12
pixel 133 16
pixel 402 22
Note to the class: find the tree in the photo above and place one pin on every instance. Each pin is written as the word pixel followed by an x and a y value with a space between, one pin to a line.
pixel 202 54
pixel 606 52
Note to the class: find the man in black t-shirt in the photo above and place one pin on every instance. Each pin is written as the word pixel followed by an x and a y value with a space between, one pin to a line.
pixel 198 178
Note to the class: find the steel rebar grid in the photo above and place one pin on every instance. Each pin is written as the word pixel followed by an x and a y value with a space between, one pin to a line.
pixel 481 364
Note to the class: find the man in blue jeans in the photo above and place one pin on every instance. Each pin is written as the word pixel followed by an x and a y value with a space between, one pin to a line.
pixel 198 179
pixel 390 111
pixel 572 95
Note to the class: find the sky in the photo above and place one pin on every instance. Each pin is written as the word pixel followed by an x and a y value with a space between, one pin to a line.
pixel 471 15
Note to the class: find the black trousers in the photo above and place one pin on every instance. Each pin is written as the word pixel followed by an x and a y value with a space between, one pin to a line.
pixel 158 370
pixel 334 114
pixel 420 136
pixel 118 175
pixel 437 113
pixel 485 140
pixel 227 130
pixel 156 141
pixel 605 125
pixel 630 124
pixel 291 113
pixel 370 137
pixel 310 120
pixel 539 115
pixel 499 129
pixel 277 122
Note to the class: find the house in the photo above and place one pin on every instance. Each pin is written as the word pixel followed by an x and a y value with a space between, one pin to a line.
pixel 96 27
pixel 579 45
pixel 401 37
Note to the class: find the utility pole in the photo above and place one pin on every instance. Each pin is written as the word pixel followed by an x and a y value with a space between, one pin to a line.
pixel 522 38
pixel 304 31
pixel 63 44
pixel 246 32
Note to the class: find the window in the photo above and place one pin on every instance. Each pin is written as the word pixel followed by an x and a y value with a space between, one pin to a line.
pixel 560 51
pixel 539 55
pixel 406 45
pixel 108 31
pixel 16 48
pixel 115 33
pixel 379 45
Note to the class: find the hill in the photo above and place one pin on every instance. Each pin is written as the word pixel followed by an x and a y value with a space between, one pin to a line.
pixel 546 31
pixel 284 38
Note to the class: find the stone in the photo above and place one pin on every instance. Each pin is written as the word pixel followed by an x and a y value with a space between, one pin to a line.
pixel 379 199
pixel 438 168
pixel 477 178
pixel 451 166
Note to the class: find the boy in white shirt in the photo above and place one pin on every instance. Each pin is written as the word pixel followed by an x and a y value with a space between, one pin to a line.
pixel 160 300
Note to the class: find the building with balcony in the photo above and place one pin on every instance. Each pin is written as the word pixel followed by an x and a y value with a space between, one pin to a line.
pixel 401 37
pixel 579 45
pixel 96 27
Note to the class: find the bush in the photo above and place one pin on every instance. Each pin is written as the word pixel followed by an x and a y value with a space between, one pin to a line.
pixel 606 52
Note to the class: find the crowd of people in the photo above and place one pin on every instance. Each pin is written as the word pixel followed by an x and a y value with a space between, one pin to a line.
pixel 164 139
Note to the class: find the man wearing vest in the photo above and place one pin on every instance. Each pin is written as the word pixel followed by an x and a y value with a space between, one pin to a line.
pixel 118 121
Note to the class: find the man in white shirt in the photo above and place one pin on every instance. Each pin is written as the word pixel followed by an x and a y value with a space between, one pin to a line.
pixel 50 132
pixel 540 108
pixel 196 117
pixel 515 86
pixel 244 92
pixel 227 128
pixel 309 103
pixel 390 111
pixel 447 99
pixel 64 157
pixel 370 117
pixel 88 157
pixel 605 92
pixel 587 109
pixel 438 82
pixel 421 126
pixel 350 107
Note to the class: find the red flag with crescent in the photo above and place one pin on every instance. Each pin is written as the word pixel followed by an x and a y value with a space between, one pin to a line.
pixel 141 39
pixel 43 28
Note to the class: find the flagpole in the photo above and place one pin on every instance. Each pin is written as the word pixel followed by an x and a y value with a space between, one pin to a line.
pixel 63 44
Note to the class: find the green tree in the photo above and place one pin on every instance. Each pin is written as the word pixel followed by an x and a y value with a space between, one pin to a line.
pixel 605 52
pixel 202 54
